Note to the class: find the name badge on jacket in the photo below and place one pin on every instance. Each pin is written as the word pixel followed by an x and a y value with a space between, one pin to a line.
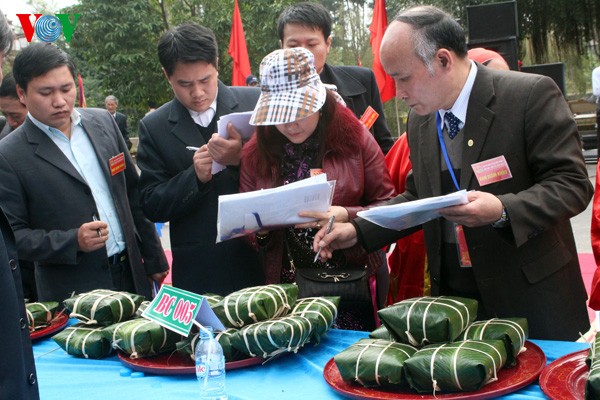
pixel 117 164
pixel 490 171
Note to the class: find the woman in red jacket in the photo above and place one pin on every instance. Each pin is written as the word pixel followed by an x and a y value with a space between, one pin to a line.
pixel 303 130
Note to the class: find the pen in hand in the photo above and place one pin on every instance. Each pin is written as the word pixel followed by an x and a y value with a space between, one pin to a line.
pixel 192 148
pixel 95 218
pixel 329 225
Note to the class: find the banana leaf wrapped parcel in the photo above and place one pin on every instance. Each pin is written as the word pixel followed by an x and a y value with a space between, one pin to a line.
pixel 512 331
pixel 383 333
pixel 212 299
pixel 142 307
pixel 83 340
pixel 268 338
pixel 455 367
pixel 374 363
pixel 39 315
pixel 592 385
pixel 187 346
pixel 103 307
pixel 423 320
pixel 321 310
pixel 140 337
pixel 254 304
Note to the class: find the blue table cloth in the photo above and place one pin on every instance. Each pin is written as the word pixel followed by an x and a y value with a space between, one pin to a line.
pixel 292 376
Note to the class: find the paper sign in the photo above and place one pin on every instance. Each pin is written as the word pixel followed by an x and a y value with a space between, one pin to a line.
pixel 369 117
pixel 117 164
pixel 177 309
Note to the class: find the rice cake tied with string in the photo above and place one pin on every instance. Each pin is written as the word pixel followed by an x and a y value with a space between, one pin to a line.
pixel 424 320
pixel 141 337
pixel 84 340
pixel 103 307
pixel 187 347
pixel 40 315
pixel 512 331
pixel 321 310
pixel 592 384
pixel 269 338
pixel 455 367
pixel 254 304
pixel 374 363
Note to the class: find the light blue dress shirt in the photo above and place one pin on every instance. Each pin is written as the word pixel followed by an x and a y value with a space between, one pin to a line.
pixel 79 151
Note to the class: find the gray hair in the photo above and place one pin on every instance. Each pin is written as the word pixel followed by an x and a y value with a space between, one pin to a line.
pixel 111 98
pixel 433 29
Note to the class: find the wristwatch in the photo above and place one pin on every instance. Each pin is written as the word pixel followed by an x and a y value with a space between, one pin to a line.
pixel 503 221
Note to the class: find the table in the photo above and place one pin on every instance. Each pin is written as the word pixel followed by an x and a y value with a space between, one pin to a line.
pixel 291 376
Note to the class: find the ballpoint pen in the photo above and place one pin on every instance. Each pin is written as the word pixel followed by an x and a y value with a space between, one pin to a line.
pixel 95 218
pixel 329 225
pixel 192 148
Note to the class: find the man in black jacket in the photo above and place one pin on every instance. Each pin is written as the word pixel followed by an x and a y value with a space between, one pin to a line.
pixel 178 145
pixel 308 25
pixel 111 103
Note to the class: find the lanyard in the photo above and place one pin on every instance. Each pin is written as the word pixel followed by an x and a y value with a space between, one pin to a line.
pixel 444 150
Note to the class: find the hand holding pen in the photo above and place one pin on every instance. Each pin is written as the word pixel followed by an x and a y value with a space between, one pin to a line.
pixel 327 230
pixel 93 235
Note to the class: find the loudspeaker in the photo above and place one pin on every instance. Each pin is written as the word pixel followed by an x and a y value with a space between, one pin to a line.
pixel 507 48
pixel 556 71
pixel 493 21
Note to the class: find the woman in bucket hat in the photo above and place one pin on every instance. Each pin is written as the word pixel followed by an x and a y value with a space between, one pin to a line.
pixel 302 130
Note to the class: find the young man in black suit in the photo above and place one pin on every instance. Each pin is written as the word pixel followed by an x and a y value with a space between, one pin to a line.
pixel 308 25
pixel 69 188
pixel 176 181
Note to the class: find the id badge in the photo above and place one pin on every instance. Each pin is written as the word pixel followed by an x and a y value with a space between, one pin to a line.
pixel 464 259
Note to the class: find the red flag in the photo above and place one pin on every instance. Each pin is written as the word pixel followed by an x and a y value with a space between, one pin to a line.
pixel 81 97
pixel 238 50
pixel 387 88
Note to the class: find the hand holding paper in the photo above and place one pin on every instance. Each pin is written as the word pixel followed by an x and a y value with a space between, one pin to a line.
pixel 406 215
pixel 241 122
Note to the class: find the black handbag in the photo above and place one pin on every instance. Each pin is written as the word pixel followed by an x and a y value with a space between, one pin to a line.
pixel 341 277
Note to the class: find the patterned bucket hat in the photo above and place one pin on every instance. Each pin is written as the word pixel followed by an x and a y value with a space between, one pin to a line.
pixel 290 87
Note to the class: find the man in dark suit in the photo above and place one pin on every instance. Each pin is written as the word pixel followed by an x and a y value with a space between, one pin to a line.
pixel 517 254
pixel 176 181
pixel 308 25
pixel 69 188
pixel 18 378
pixel 111 103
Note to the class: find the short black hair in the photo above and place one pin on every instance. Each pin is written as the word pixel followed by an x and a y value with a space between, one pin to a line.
pixel 37 59
pixel 187 43
pixel 8 88
pixel 6 35
pixel 311 15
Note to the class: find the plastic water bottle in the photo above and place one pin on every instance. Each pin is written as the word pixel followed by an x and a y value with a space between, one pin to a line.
pixel 210 366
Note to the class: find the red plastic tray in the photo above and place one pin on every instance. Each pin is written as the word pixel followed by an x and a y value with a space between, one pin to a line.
pixel 565 377
pixel 529 365
pixel 57 324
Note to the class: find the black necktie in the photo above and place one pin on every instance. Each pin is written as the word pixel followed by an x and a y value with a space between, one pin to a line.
pixel 452 123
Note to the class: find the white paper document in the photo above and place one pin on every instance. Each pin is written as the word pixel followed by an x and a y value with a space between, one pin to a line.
pixel 244 213
pixel 241 122
pixel 406 215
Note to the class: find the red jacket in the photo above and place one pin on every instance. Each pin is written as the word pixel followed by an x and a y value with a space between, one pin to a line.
pixel 594 302
pixel 353 158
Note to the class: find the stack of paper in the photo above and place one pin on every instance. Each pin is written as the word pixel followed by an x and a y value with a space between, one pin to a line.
pixel 244 213
pixel 406 215
pixel 241 122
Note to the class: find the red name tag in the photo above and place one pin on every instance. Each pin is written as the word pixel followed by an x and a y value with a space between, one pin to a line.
pixel 117 164
pixel 493 170
pixel 316 171
pixel 369 117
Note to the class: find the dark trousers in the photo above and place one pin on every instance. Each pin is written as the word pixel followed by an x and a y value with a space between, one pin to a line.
pixel 122 277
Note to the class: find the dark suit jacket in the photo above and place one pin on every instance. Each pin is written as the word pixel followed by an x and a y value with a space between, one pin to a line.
pixel 18 378
pixel 530 268
pixel 46 201
pixel 122 124
pixel 171 192
pixel 358 88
